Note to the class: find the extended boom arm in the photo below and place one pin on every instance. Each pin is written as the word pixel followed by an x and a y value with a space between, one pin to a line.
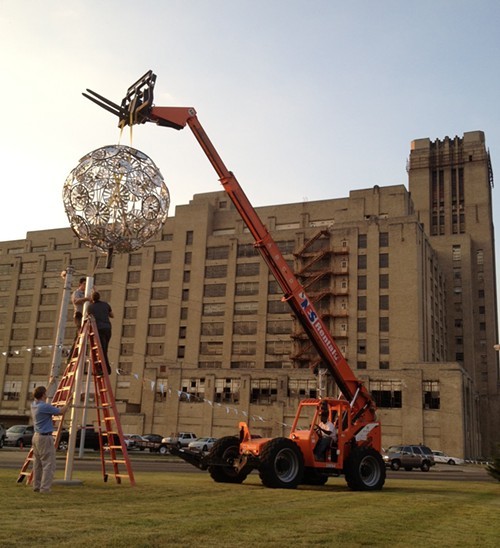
pixel 178 117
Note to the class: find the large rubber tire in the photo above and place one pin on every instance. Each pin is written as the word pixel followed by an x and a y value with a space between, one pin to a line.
pixel 281 464
pixel 63 445
pixel 313 477
pixel 365 470
pixel 163 450
pixel 425 466
pixel 452 462
pixel 227 449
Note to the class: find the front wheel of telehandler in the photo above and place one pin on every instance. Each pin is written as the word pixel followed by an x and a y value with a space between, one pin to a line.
pixel 226 449
pixel 365 470
pixel 281 464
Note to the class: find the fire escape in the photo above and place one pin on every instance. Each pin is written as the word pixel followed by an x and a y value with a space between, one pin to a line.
pixel 323 271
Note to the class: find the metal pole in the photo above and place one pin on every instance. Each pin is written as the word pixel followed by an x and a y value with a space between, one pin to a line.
pixel 82 356
pixel 61 328
pixel 89 287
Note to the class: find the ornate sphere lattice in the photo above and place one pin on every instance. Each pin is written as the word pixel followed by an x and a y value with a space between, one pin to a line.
pixel 116 199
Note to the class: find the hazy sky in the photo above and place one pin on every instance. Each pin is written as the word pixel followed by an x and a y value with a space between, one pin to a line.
pixel 304 99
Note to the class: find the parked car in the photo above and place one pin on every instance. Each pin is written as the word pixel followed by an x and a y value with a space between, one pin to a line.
pixel 3 433
pixel 153 442
pixel 443 458
pixel 202 444
pixel 19 434
pixel 91 439
pixel 132 439
pixel 409 457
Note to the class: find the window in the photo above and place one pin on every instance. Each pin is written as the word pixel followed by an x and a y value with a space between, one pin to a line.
pixel 156 330
pixel 53 266
pixel 362 302
pixel 248 307
pixel 163 257
pixel 361 365
pixel 128 331
pixel 274 288
pixel 214 290
pixel 185 295
pixel 240 364
pixel 189 237
pixel 278 347
pixel 383 260
pixel 186 276
pixel 245 328
pixel 154 349
pixel 11 390
pixel 361 282
pixel 383 239
pixel 247 269
pixel 263 391
pixel 211 348
pixel 27 283
pixel 362 241
pixel 161 275
pixel 216 271
pixel 286 247
pixel 456 253
pixel 135 259
pixel 181 352
pixel 130 312
pixel 46 298
pixel 383 346
pixel 159 293
pixel 361 325
pixel 278 307
pixel 184 314
pixel 157 311
pixel 24 317
pixel 383 324
pixel 362 262
pixel 217 253
pixel 430 394
pixel 105 278
pixel 43 315
pixel 361 346
pixel 212 309
pixel 383 365
pixel 302 389
pixel 132 295
pixel 182 331
pixel 387 393
pixel 192 390
pixel 279 327
pixel 127 349
pixel 247 288
pixel 227 391
pixel 246 250
pixel 244 348
pixel 383 281
pixel 212 328
pixel 134 277
pixel 383 302
pixel 26 268
pixel 188 257
pixel 19 334
pixel 161 390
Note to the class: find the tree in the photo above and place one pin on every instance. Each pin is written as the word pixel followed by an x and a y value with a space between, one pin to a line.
pixel 493 468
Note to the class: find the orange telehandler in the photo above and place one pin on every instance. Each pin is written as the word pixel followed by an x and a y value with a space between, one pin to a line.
pixel 283 462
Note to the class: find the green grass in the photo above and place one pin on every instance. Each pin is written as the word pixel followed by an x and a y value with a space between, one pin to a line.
pixel 179 509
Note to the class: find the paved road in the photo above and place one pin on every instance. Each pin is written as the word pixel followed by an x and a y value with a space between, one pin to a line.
pixel 13 458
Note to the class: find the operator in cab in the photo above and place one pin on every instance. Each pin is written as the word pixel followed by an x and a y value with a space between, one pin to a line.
pixel 328 435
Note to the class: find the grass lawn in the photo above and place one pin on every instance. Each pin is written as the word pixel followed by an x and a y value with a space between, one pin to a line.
pixel 179 509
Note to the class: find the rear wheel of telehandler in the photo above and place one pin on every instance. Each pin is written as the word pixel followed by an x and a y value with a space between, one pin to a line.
pixel 365 470
pixel 281 464
pixel 227 449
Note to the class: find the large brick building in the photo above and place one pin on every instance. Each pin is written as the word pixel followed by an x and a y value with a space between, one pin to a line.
pixel 201 338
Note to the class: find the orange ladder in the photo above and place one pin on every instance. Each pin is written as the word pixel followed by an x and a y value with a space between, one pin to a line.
pixel 111 439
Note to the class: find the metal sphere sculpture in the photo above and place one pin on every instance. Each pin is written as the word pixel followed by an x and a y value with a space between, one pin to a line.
pixel 116 199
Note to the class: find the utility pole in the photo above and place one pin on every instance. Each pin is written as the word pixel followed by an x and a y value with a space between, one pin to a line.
pixel 55 368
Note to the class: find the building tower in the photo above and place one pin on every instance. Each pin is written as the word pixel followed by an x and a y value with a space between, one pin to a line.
pixel 451 182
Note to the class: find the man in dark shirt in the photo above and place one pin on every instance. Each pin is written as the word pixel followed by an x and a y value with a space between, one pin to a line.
pixel 102 313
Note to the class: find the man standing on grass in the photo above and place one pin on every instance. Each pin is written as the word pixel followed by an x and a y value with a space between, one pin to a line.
pixel 44 451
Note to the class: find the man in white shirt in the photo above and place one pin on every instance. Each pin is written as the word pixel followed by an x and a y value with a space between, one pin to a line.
pixel 328 434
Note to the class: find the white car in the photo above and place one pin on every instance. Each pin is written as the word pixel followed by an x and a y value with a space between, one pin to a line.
pixel 443 458
pixel 202 444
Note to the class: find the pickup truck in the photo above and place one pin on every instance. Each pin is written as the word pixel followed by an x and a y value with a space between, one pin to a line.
pixel 179 439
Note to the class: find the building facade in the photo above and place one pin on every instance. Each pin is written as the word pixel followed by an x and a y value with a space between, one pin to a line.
pixel 202 338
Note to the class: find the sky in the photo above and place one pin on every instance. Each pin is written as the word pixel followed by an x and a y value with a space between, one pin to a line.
pixel 303 99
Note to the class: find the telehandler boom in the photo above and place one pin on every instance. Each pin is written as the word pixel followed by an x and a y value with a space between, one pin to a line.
pixel 281 462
